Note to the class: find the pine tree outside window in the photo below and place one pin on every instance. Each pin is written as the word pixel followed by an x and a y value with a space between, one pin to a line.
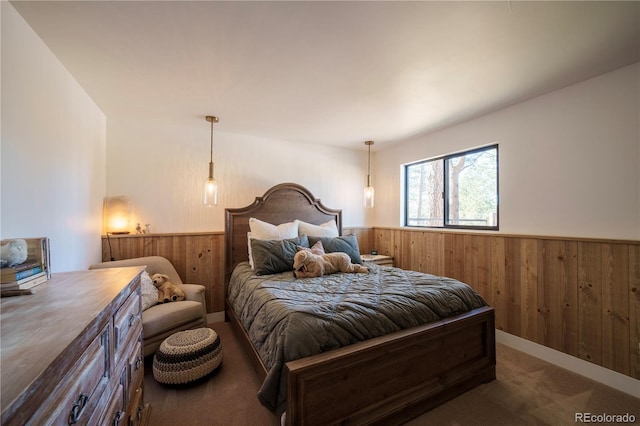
pixel 455 191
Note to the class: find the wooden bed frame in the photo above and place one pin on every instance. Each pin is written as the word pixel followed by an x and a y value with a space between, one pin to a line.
pixel 387 380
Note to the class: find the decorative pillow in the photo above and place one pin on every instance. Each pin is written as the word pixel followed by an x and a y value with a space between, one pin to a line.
pixel 346 243
pixel 261 230
pixel 148 291
pixel 327 229
pixel 265 231
pixel 316 249
pixel 275 256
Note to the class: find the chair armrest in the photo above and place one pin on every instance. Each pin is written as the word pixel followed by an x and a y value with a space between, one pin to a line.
pixel 196 292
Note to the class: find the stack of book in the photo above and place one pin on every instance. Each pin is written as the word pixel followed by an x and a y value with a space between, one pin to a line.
pixel 20 273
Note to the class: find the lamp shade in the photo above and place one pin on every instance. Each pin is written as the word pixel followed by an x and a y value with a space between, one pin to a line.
pixel 118 214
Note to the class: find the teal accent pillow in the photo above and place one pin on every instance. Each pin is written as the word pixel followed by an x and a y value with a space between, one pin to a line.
pixel 275 256
pixel 346 243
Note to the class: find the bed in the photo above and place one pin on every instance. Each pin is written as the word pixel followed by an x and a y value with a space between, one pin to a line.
pixel 405 372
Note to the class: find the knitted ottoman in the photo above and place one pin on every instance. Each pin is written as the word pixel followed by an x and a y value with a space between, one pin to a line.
pixel 187 356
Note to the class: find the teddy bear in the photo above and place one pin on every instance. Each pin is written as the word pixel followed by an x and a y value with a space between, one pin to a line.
pixel 307 264
pixel 167 291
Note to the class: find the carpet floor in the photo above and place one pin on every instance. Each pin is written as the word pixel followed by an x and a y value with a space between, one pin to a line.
pixel 527 391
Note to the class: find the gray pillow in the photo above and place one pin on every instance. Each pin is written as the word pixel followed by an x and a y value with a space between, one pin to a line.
pixel 275 256
pixel 346 243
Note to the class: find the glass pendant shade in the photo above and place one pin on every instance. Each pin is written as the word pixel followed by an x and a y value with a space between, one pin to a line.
pixel 210 192
pixel 210 189
pixel 368 196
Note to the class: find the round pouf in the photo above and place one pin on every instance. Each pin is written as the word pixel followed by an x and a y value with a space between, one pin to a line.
pixel 187 356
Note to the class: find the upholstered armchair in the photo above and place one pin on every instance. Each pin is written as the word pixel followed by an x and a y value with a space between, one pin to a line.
pixel 162 320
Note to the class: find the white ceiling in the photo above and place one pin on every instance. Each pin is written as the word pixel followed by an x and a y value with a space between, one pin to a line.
pixel 335 73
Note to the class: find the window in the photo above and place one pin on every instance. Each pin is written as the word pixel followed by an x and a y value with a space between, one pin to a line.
pixel 456 191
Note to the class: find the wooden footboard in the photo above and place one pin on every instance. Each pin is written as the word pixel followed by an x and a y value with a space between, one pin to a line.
pixel 393 378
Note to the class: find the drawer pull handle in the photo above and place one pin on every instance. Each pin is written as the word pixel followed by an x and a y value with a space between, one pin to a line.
pixel 138 362
pixel 139 413
pixel 78 407
pixel 132 319
pixel 117 418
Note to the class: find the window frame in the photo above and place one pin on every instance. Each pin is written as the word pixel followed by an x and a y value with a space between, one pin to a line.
pixel 445 193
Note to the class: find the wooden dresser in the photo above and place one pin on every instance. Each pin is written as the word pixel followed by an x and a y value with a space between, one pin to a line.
pixel 72 352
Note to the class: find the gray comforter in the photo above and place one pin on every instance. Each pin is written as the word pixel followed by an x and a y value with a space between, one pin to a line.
pixel 288 318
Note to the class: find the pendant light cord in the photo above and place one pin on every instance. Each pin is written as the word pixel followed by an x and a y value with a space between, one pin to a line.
pixel 369 162
pixel 211 153
pixel 369 143
pixel 211 119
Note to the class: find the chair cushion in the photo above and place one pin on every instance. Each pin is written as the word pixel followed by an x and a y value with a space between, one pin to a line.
pixel 167 316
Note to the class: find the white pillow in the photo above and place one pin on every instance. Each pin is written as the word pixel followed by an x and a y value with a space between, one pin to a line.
pixel 266 231
pixel 249 249
pixel 148 291
pixel 327 229
pixel 261 230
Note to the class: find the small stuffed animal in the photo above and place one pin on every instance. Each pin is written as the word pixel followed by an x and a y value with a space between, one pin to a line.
pixel 306 264
pixel 13 252
pixel 167 291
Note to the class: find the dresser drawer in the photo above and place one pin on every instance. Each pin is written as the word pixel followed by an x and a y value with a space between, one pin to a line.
pixel 80 391
pixel 116 414
pixel 127 323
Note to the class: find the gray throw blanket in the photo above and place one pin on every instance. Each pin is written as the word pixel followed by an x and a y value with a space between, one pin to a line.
pixel 288 318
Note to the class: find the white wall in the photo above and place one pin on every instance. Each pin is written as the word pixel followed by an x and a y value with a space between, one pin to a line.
pixel 52 150
pixel 162 167
pixel 569 160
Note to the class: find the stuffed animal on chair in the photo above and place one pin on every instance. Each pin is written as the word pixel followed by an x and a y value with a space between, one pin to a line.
pixel 167 291
pixel 306 264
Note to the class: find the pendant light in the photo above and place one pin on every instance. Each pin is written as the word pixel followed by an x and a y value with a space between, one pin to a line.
pixel 368 190
pixel 210 185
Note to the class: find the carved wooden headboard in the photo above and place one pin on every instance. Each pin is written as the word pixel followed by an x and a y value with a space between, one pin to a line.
pixel 282 203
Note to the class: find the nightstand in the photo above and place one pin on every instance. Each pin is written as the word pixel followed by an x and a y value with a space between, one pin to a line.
pixel 380 259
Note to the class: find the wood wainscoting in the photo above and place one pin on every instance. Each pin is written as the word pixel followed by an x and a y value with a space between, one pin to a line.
pixel 576 295
pixel 197 257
